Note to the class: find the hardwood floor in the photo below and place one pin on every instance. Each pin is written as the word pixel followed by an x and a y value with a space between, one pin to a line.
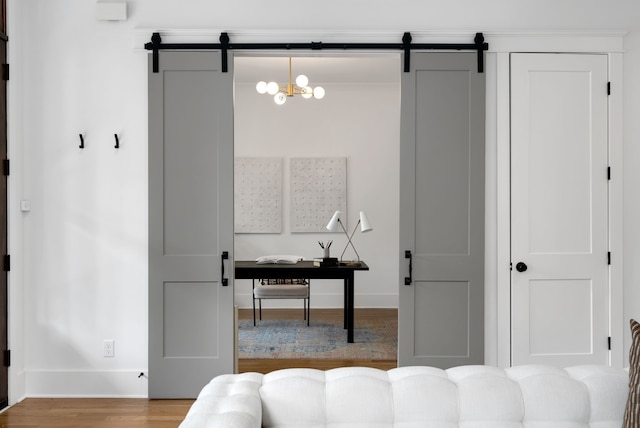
pixel 95 413
pixel 141 412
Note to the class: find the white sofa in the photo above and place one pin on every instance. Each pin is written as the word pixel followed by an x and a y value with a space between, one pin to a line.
pixel 412 397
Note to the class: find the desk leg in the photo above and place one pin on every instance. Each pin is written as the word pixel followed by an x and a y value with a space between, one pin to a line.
pixel 345 310
pixel 350 308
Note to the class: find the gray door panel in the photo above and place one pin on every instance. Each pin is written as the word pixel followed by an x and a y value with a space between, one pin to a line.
pixel 441 316
pixel 190 223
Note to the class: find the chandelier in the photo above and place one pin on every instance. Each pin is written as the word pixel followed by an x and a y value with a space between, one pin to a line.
pixel 280 93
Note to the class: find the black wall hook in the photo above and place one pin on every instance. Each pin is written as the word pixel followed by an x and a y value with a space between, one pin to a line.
pixel 81 141
pixel 117 146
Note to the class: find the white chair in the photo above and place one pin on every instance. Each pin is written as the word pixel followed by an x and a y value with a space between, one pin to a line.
pixel 282 289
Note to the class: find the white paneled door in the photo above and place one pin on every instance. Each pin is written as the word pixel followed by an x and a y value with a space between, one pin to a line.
pixel 559 169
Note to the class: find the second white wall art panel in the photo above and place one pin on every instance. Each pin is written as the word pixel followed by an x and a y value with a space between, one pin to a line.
pixel 258 195
pixel 318 188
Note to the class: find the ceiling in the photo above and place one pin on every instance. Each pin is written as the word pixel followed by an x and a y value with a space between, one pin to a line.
pixel 351 69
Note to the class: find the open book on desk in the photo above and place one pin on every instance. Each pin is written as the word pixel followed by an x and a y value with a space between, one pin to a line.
pixel 279 259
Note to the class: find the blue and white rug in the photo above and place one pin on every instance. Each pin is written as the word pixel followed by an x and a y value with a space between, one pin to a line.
pixel 373 340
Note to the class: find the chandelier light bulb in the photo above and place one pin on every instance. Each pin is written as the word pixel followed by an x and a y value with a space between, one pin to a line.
pixel 280 93
pixel 280 98
pixel 302 81
pixel 307 92
pixel 272 88
pixel 261 87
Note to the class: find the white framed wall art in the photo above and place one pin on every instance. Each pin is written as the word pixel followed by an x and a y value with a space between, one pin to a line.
pixel 318 188
pixel 258 195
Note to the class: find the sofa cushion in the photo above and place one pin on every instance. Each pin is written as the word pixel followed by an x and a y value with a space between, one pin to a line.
pixel 227 401
pixel 606 387
pixel 550 394
pixel 487 396
pixel 281 291
pixel 632 409
pixel 308 406
pixel 423 396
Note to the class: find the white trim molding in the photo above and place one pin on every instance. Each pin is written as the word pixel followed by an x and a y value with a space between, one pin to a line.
pixel 556 41
pixel 498 279
pixel 87 383
pixel 617 322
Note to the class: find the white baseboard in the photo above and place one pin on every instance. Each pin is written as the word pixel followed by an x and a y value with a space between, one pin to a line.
pixel 324 301
pixel 17 386
pixel 86 384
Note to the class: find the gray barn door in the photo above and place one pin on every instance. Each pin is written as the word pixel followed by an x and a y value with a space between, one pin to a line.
pixel 190 223
pixel 441 296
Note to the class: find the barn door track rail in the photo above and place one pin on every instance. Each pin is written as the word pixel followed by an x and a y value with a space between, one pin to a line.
pixel 224 46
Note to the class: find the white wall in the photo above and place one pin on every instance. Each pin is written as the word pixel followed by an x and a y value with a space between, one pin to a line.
pixel 359 122
pixel 82 259
pixel 79 271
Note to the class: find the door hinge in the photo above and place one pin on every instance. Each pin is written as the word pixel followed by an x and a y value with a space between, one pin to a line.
pixel 608 173
pixel 5 167
pixel 7 358
pixel 7 263
pixel 609 257
pixel 609 342
pixel 608 88
pixel 5 71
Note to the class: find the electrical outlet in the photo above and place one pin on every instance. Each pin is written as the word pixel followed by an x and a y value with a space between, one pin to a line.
pixel 108 348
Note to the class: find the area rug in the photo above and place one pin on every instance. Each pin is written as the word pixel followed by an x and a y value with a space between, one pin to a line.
pixel 373 340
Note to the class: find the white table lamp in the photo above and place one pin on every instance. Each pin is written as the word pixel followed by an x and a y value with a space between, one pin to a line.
pixel 363 221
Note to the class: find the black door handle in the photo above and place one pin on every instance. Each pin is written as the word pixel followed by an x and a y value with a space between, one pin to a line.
pixel 521 267
pixel 224 256
pixel 409 279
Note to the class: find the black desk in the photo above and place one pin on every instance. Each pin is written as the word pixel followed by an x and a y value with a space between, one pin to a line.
pixel 306 269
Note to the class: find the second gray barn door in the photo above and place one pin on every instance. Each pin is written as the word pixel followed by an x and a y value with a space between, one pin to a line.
pixel 441 307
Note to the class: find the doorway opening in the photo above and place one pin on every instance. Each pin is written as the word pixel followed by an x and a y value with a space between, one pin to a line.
pixel 358 120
